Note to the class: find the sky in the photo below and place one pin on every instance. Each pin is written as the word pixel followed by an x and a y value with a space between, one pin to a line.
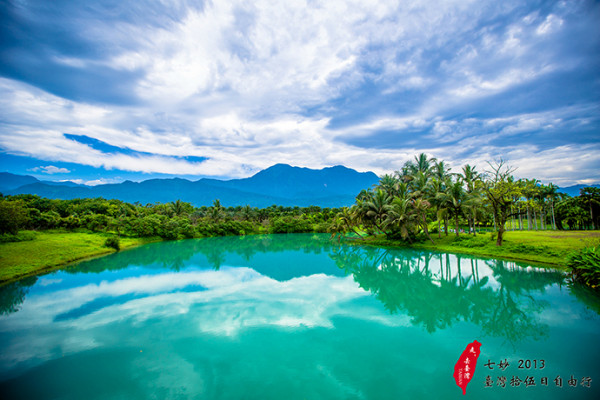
pixel 103 91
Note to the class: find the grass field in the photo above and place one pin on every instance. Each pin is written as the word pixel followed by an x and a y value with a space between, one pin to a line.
pixel 542 247
pixel 53 249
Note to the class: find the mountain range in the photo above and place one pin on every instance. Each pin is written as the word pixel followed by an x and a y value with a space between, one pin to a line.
pixel 280 184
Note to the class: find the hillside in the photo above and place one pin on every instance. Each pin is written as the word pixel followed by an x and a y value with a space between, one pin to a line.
pixel 280 184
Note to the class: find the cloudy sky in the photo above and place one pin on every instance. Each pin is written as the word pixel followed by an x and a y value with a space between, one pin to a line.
pixel 102 91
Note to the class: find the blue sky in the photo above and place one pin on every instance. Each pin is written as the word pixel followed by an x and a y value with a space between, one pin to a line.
pixel 105 91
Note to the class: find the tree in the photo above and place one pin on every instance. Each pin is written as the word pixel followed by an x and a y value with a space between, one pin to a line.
pixel 472 180
pixel 12 216
pixel 501 190
pixel 389 184
pixel 436 186
pixel 455 197
pixel 375 208
pixel 181 208
pixel 420 207
pixel 529 191
pixel 422 163
pixel 551 194
pixel 400 220
pixel 591 196
pixel 216 211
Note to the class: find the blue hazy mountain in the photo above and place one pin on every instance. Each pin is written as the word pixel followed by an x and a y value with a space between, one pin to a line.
pixel 280 184
pixel 10 181
pixel 574 190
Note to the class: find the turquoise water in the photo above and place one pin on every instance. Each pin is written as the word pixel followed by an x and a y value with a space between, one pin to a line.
pixel 294 317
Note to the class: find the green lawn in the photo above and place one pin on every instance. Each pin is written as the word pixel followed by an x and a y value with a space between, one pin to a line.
pixel 543 247
pixel 51 250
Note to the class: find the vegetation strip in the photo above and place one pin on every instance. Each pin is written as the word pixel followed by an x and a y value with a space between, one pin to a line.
pixel 51 250
pixel 545 248
pixel 423 204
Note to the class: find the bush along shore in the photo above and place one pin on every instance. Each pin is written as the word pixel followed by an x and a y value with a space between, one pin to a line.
pixel 585 266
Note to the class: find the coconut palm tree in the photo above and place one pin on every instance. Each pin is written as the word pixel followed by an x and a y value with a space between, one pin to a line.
pixel 216 211
pixel 419 185
pixel 389 184
pixel 433 188
pixel 551 195
pixel 529 191
pixel 440 170
pixel 400 219
pixel 423 163
pixel 472 180
pixel 376 208
pixel 420 207
pixel 455 198
pixel 247 213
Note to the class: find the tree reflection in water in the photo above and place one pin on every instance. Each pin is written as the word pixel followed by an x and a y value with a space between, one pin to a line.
pixel 438 290
pixel 13 294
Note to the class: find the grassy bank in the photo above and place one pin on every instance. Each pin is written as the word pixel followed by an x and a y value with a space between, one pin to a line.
pixel 543 247
pixel 50 250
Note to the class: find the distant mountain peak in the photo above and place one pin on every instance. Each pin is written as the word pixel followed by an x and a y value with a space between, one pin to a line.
pixel 280 184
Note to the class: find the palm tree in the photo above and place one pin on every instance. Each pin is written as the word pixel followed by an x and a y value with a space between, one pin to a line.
pixel 420 207
pixel 422 163
pixel 344 222
pixel 400 218
pixel 472 180
pixel 389 184
pixel 419 184
pixel 364 195
pixel 441 170
pixel 179 207
pixel 247 213
pixel 376 208
pixel 435 187
pixel 216 211
pixel 551 194
pixel 529 190
pixel 455 198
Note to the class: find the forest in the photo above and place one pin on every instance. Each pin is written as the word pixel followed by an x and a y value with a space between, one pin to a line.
pixel 415 203
pixel 170 221
pixel 424 198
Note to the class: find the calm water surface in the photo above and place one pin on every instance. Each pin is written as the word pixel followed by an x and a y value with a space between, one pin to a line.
pixel 294 317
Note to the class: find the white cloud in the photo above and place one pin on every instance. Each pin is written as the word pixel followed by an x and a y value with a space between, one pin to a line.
pixel 236 83
pixel 551 24
pixel 50 169
pixel 232 301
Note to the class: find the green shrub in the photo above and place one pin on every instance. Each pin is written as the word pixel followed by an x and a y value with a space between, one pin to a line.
pixel 113 242
pixel 19 237
pixel 469 241
pixel 290 225
pixel 585 265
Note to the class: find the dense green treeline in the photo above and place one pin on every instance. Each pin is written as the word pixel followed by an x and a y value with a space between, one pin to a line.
pixel 424 198
pixel 417 202
pixel 175 220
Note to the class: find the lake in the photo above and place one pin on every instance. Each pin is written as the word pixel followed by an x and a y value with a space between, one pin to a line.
pixel 296 317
